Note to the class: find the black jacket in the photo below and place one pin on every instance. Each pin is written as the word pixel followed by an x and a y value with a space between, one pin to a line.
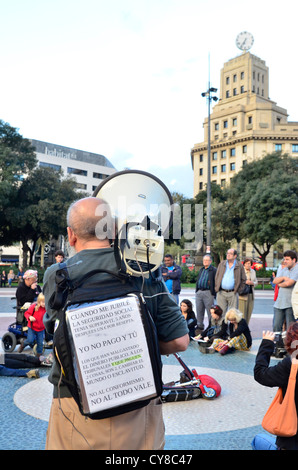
pixel 26 294
pixel 174 275
pixel 211 279
pixel 227 330
pixel 275 376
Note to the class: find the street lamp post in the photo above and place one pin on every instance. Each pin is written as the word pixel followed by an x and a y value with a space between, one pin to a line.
pixel 208 95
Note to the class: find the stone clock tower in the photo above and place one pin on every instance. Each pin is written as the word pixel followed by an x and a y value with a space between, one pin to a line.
pixel 245 124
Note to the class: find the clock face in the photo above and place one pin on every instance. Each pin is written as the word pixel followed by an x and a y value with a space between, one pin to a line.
pixel 244 41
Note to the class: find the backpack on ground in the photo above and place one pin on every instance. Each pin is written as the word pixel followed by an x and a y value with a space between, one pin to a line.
pixel 106 343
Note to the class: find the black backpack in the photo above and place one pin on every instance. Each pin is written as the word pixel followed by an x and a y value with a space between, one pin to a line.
pixel 96 346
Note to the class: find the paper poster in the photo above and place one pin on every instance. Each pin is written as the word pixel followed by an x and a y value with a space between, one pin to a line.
pixel 112 358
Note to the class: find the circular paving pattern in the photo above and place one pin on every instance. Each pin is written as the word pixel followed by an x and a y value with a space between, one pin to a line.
pixel 242 403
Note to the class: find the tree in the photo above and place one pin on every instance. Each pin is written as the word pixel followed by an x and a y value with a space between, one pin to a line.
pixel 38 208
pixel 17 159
pixel 265 196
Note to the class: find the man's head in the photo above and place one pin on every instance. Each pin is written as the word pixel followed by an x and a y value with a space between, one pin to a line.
pixel 231 255
pixel 207 260
pixel 168 260
pixel 30 277
pixel 290 258
pixel 89 224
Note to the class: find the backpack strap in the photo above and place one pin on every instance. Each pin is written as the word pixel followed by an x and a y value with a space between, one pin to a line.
pixel 63 283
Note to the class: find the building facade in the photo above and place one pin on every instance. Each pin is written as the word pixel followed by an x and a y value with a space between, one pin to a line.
pixel 245 124
pixel 89 169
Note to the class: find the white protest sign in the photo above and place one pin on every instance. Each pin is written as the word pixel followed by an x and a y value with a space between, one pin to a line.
pixel 112 360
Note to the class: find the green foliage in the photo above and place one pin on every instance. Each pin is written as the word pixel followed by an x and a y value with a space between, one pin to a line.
pixel 188 276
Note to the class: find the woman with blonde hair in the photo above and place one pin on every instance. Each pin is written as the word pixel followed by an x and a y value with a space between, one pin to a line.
pixel 234 334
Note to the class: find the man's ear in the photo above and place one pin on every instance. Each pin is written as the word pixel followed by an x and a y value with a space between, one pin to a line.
pixel 72 238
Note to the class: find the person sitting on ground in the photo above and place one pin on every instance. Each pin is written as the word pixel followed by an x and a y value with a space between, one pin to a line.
pixel 234 334
pixel 186 308
pixel 9 368
pixel 25 361
pixel 214 327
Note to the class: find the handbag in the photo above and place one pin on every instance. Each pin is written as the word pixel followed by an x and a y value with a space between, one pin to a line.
pixel 281 416
pixel 245 290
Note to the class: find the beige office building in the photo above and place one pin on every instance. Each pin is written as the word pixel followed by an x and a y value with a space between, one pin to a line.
pixel 245 124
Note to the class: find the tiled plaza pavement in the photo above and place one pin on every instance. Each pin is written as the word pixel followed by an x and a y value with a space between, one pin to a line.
pixel 227 423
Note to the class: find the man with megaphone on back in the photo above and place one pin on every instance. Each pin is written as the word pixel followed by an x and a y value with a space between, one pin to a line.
pixel 141 428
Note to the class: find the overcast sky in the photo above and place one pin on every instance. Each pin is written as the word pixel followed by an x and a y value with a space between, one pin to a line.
pixel 123 78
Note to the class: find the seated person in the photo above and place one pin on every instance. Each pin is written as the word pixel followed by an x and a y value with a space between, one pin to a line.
pixel 189 315
pixel 234 334
pixel 28 289
pixel 212 330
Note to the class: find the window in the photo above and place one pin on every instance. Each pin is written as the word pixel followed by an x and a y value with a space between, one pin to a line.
pixel 233 152
pixel 249 119
pixel 227 80
pixel 50 165
pixel 201 186
pixel 201 157
pixel 242 89
pixel 227 94
pixel 232 166
pixel 201 171
pixel 235 78
pixel 278 147
pixel 214 155
pixel 81 186
pixel 223 154
pixel 235 92
pixel 244 149
pixel 77 171
pixel 295 148
pixel 100 176
pixel 225 124
pixel 223 168
pixel 223 183
pixel 242 75
pixel 235 122
pixel 214 170
pixel 216 126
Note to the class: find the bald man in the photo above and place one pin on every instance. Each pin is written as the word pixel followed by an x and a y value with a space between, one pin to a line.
pixel 90 227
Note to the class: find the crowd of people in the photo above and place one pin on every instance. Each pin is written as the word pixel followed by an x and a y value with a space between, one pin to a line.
pixel 226 296
pixel 224 302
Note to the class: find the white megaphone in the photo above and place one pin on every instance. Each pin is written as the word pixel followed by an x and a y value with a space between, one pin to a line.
pixel 142 208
